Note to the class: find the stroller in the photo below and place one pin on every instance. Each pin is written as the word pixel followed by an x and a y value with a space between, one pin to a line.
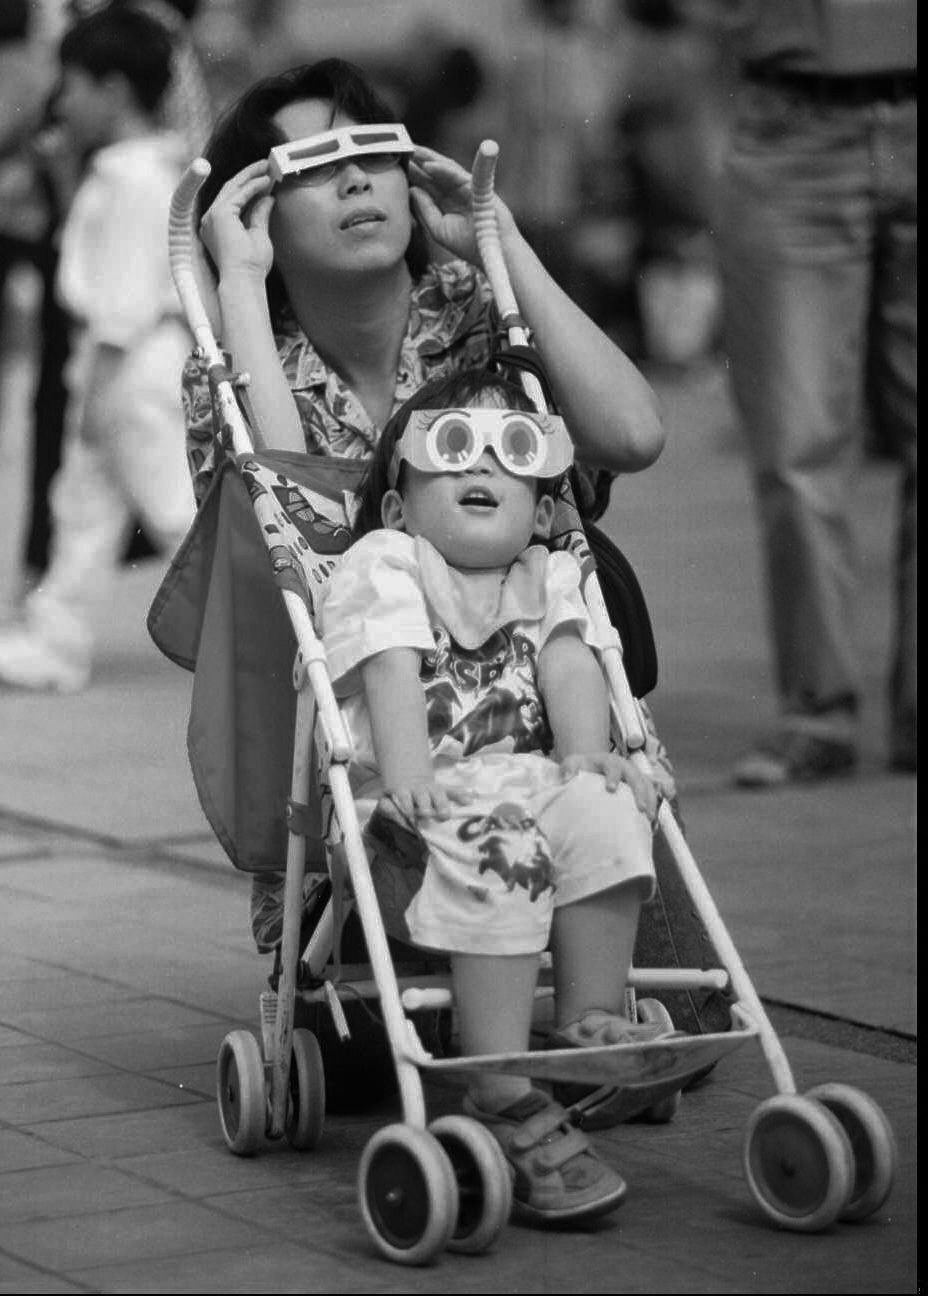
pixel 423 1186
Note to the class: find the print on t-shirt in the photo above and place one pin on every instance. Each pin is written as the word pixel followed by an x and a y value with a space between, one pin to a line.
pixel 484 698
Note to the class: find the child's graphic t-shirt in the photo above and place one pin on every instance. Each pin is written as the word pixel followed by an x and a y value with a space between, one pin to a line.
pixel 479 664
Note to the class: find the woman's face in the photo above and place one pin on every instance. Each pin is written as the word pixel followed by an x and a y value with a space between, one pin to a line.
pixel 353 223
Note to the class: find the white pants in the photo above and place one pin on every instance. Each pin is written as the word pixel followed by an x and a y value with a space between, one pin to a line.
pixel 133 467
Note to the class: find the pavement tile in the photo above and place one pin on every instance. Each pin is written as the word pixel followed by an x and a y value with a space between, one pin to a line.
pixel 27 1103
pixel 96 1020
pixel 273 1266
pixel 125 1236
pixel 25 1062
pixel 16 1277
pixel 163 1129
pixel 154 1051
pixel 23 1151
pixel 24 993
pixel 70 1190
pixel 211 1172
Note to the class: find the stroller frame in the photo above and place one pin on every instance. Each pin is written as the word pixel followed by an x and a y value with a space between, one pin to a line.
pixel 277 1089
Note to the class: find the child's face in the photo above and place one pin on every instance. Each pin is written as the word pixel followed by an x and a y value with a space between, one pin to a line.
pixel 478 520
pixel 357 220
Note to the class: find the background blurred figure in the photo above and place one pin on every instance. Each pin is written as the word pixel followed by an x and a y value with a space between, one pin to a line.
pixel 124 440
pixel 557 86
pixel 36 179
pixel 820 253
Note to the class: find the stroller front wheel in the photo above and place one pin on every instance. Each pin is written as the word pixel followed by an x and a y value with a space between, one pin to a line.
pixel 483 1178
pixel 872 1143
pixel 241 1093
pixel 798 1162
pixel 408 1194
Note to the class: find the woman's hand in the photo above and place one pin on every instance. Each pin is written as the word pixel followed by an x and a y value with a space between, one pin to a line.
pixel 441 193
pixel 616 769
pixel 235 228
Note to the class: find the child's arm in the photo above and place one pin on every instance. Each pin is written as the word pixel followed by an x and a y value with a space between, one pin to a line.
pixel 399 727
pixel 577 701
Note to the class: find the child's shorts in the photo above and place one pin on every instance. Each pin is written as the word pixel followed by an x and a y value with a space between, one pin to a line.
pixel 525 843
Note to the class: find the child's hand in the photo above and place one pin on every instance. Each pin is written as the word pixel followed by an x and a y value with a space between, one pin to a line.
pixel 441 194
pixel 616 769
pixel 423 798
pixel 235 228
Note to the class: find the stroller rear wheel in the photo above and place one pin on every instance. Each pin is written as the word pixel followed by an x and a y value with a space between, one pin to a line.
pixel 241 1092
pixel 306 1105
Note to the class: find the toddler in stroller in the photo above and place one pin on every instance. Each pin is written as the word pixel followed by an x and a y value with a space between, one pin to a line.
pixel 465 662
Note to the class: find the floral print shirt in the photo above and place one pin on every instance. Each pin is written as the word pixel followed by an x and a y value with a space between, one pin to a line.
pixel 452 323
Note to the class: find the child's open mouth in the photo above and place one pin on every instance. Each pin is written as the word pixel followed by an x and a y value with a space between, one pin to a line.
pixel 480 498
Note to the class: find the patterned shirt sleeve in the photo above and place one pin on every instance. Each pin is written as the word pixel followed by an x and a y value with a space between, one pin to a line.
pixel 198 418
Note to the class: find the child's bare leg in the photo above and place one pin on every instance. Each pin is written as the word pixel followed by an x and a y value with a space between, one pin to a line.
pixel 592 942
pixel 494 995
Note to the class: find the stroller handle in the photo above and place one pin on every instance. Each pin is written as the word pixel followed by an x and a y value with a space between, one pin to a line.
pixel 183 250
pixel 486 228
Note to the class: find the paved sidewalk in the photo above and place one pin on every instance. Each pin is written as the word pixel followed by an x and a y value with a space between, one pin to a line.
pixel 125 959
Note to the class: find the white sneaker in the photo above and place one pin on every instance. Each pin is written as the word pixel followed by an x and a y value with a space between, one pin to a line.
pixel 29 661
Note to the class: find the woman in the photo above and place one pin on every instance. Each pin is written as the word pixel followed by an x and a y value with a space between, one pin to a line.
pixel 328 297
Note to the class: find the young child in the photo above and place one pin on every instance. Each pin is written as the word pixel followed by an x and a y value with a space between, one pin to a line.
pixel 124 453
pixel 466 664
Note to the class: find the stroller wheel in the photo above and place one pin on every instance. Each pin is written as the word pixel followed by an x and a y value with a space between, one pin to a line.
pixel 240 1092
pixel 665 1109
pixel 872 1144
pixel 798 1162
pixel 483 1178
pixel 408 1194
pixel 306 1105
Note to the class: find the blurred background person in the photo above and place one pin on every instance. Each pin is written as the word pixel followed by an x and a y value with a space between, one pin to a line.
pixel 124 442
pixel 820 247
pixel 36 180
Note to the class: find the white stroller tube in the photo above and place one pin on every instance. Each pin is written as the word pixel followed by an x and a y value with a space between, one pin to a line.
pixel 486 229
pixel 181 235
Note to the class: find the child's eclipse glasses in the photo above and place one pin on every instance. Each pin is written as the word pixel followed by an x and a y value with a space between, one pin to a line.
pixel 317 158
pixel 440 441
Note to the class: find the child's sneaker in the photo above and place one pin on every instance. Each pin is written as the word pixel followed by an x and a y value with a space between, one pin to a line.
pixel 602 1106
pixel 557 1176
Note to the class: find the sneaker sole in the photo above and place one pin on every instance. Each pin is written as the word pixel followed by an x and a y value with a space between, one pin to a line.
pixel 569 1214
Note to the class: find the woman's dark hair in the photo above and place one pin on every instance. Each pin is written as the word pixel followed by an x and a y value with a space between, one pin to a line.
pixel 246 132
pixel 120 39
pixel 457 390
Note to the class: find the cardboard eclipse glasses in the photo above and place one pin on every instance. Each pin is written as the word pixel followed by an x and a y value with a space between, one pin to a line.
pixel 317 157
pixel 527 445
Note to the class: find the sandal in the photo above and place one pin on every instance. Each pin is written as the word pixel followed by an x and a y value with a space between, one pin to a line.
pixel 557 1175
pixel 601 1107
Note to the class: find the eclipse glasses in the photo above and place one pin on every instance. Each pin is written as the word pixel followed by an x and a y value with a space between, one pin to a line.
pixel 316 158
pixel 439 441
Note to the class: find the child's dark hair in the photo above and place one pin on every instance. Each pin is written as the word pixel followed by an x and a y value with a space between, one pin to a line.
pixel 457 390
pixel 121 39
pixel 247 132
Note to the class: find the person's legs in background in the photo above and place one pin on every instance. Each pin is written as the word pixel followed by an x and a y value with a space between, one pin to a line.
pixel 53 648
pixel 894 395
pixel 796 246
